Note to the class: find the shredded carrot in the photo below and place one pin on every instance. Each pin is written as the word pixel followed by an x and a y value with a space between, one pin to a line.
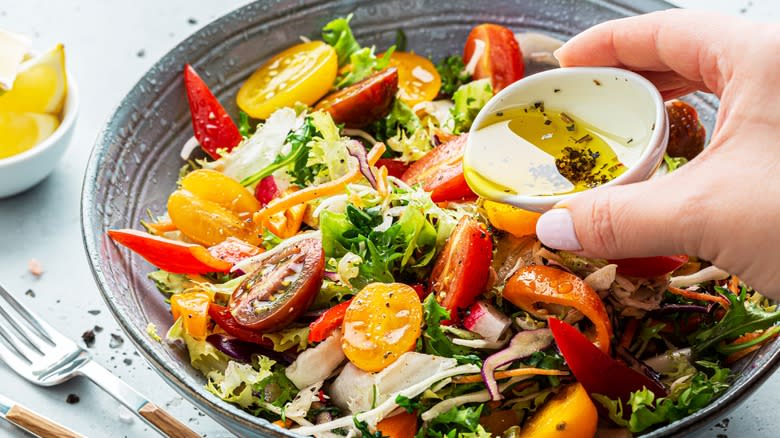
pixel 286 424
pixel 381 182
pixel 314 192
pixel 473 378
pixel 733 357
pixel 159 228
pixel 734 284
pixel 700 296
pixel 748 338
pixel 629 333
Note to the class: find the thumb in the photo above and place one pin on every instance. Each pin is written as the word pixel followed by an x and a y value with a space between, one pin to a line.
pixel 637 220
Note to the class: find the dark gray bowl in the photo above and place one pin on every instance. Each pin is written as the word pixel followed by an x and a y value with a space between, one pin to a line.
pixel 135 162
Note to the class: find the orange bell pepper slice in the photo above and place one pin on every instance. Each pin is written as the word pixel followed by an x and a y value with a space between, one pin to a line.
pixel 570 413
pixel 532 285
pixel 403 425
pixel 193 309
pixel 170 255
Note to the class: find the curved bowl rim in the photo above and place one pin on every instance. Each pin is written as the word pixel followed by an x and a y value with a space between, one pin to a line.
pixel 227 411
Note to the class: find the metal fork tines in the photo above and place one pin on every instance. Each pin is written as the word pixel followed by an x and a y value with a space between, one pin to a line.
pixel 45 357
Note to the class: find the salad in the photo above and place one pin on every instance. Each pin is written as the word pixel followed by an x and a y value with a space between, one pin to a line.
pixel 328 268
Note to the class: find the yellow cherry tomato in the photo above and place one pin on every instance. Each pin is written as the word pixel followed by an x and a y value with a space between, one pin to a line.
pixel 193 308
pixel 382 323
pixel 303 73
pixel 569 414
pixel 214 186
pixel 207 222
pixel 511 219
pixel 418 80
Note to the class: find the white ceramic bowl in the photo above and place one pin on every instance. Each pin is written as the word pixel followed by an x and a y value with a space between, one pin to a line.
pixel 617 101
pixel 20 172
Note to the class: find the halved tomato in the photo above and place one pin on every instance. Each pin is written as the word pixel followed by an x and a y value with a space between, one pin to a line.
pixel 418 79
pixel 646 267
pixel 282 287
pixel 440 172
pixel 461 271
pixel 363 103
pixel 381 323
pixel 394 167
pixel 303 73
pixel 501 60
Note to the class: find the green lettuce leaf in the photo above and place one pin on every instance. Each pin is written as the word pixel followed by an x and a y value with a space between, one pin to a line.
pixel 363 63
pixel 462 421
pixel 169 283
pixel 338 34
pixel 203 356
pixel 289 337
pixel 411 147
pixel 434 341
pixel 237 383
pixel 401 118
pixel 469 99
pixel 453 74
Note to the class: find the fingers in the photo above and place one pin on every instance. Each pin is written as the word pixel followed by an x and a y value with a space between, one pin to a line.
pixel 636 220
pixel 694 45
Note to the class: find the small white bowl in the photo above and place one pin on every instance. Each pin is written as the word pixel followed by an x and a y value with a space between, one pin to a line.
pixel 617 101
pixel 22 171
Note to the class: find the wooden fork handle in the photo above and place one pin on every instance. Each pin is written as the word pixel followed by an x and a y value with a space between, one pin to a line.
pixel 37 424
pixel 166 422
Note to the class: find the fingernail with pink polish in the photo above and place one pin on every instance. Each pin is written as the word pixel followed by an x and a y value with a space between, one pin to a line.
pixel 556 230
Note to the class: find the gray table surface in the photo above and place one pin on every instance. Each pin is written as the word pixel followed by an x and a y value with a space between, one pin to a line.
pixel 110 44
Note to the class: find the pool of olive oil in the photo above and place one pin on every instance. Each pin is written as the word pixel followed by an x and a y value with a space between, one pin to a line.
pixel 539 151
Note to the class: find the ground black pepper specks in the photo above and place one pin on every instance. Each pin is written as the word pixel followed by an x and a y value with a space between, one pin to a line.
pixel 72 399
pixel 89 338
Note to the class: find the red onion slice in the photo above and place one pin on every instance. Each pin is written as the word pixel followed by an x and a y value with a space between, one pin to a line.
pixel 522 345
pixel 357 150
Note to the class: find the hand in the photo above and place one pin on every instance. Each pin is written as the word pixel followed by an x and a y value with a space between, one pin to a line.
pixel 723 206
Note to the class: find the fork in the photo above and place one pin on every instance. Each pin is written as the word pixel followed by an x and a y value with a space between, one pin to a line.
pixel 46 357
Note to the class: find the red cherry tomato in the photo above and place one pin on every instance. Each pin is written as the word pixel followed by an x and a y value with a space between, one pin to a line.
pixel 282 287
pixel 461 271
pixel 501 61
pixel 650 266
pixel 234 250
pixel 395 168
pixel 440 172
pixel 222 317
pixel 214 129
pixel 363 103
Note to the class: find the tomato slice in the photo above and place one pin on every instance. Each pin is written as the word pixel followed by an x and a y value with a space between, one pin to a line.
pixel 222 317
pixel 363 103
pixel 686 133
pixel 207 222
pixel 382 323
pixel 418 79
pixel 217 187
pixel 282 287
pixel 647 267
pixel 323 326
pixel 440 172
pixel 303 73
pixel 501 60
pixel 213 127
pixel 234 250
pixel 395 168
pixel 461 271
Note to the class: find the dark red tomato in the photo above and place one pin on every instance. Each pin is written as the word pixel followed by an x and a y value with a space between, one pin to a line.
pixel 686 133
pixel 222 317
pixel 282 287
pixel 323 326
pixel 461 271
pixel 647 267
pixel 395 168
pixel 363 103
pixel 233 250
pixel 502 60
pixel 440 172
pixel 213 127
pixel 420 289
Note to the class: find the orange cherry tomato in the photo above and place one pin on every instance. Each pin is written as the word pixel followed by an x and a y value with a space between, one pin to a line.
pixel 214 186
pixel 570 414
pixel 534 285
pixel 511 219
pixel 303 73
pixel 502 60
pixel 193 308
pixel 403 425
pixel 382 323
pixel 418 79
pixel 207 222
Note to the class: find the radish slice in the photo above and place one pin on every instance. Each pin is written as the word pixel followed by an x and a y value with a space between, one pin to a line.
pixel 486 321
pixel 522 345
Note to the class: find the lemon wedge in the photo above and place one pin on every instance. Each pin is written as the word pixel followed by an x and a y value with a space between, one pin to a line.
pixel 13 49
pixel 21 131
pixel 40 86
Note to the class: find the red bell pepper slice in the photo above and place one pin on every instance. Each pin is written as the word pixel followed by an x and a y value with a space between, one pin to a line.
pixel 213 127
pixel 597 371
pixel 225 320
pixel 394 167
pixel 647 267
pixel 170 255
pixel 323 326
